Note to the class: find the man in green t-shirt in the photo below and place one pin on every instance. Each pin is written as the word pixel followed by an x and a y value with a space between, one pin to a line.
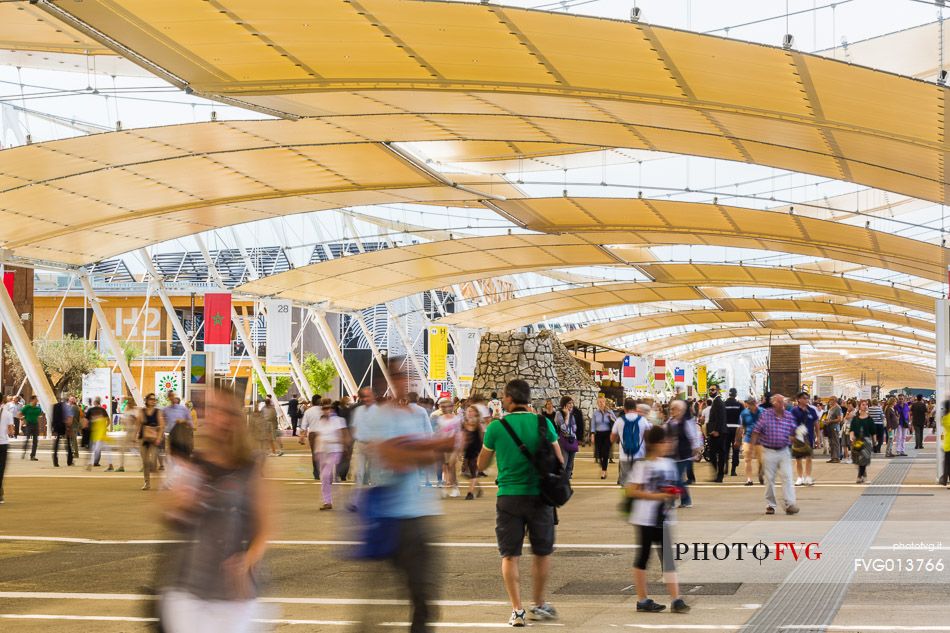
pixel 30 414
pixel 518 507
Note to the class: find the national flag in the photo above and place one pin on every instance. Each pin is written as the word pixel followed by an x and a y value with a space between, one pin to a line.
pixel 679 374
pixel 629 370
pixel 8 282
pixel 217 324
pixel 659 370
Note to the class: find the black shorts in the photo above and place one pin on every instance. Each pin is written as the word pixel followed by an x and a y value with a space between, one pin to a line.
pixel 649 538
pixel 516 515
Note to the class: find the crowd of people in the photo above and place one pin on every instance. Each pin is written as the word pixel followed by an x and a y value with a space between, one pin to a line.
pixel 394 447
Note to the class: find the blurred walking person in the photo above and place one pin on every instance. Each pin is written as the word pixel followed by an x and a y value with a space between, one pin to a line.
pixel 129 416
pixel 6 430
pixel 98 420
pixel 399 445
pixel 220 505
pixel 332 438
pixel 686 446
pixel 472 434
pixel 63 414
pixel 601 424
pixel 151 428
pixel 31 414
pixel 308 429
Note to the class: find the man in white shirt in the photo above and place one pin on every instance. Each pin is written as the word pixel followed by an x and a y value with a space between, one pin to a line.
pixel 6 429
pixel 308 429
pixel 635 420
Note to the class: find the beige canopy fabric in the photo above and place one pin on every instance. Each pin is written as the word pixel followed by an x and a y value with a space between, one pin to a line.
pixel 80 200
pixel 530 309
pixel 619 84
pixel 660 222
pixel 360 281
pixel 736 311
pixel 25 27
pixel 815 330
pixel 819 345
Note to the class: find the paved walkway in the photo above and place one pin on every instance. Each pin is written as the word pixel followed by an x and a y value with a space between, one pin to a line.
pixel 77 550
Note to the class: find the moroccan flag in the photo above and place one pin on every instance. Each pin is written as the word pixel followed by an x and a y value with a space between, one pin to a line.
pixel 217 322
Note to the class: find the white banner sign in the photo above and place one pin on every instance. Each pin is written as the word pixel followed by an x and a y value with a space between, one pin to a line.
pixel 864 392
pixel 278 336
pixel 466 353
pixel 824 386
pixel 97 384
pixel 166 381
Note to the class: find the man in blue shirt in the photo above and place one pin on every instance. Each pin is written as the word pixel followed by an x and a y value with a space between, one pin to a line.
pixel 806 415
pixel 399 444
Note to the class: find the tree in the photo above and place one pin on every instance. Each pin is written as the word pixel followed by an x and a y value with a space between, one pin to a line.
pixel 281 385
pixel 319 373
pixel 64 361
pixel 131 351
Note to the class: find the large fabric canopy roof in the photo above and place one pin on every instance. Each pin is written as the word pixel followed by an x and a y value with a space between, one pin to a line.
pixel 684 280
pixel 657 222
pixel 532 75
pixel 809 331
pixel 736 311
pixel 360 281
pixel 25 27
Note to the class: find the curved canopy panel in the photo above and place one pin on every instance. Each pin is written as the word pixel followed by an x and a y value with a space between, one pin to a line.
pixel 82 199
pixel 363 280
pixel 655 222
pixel 677 282
pixel 826 346
pixel 25 27
pixel 837 332
pixel 625 84
pixel 735 311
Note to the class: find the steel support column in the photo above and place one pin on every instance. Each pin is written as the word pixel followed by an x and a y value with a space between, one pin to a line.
pixel 372 345
pixel 333 347
pixel 112 342
pixel 943 374
pixel 27 355
pixel 410 352
pixel 166 300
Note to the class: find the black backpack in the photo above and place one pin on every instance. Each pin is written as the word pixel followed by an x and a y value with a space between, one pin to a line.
pixel 554 484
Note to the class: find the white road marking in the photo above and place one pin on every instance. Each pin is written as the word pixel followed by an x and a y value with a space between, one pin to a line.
pixel 472 544
pixel 138 597
pixel 117 618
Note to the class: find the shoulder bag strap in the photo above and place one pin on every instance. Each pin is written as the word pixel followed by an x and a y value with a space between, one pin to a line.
pixel 524 449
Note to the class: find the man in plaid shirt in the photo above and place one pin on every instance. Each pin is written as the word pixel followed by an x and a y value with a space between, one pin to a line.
pixel 775 431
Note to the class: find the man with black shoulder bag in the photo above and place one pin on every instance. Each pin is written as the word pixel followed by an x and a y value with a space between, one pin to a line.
pixel 525 503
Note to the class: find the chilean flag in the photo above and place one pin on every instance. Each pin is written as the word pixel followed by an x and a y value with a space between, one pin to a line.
pixel 629 370
pixel 217 323
pixel 659 369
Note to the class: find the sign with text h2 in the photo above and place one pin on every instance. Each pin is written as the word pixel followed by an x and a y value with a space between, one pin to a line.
pixel 438 352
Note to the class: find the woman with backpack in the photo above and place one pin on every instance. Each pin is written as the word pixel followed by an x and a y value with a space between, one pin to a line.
pixel 569 422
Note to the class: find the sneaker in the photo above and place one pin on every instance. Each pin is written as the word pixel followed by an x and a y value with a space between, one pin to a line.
pixel 543 612
pixel 770 510
pixel 120 469
pixel 455 493
pixel 686 505
pixel 326 506
pixel 110 469
pixel 649 606
pixel 809 481
pixel 792 509
pixel 679 606
pixel 517 618
pixel 470 497
pixel 147 487
pixel 280 453
pixel 847 460
pixel 859 480
pixel 748 482
pixel 33 459
pixel 800 482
